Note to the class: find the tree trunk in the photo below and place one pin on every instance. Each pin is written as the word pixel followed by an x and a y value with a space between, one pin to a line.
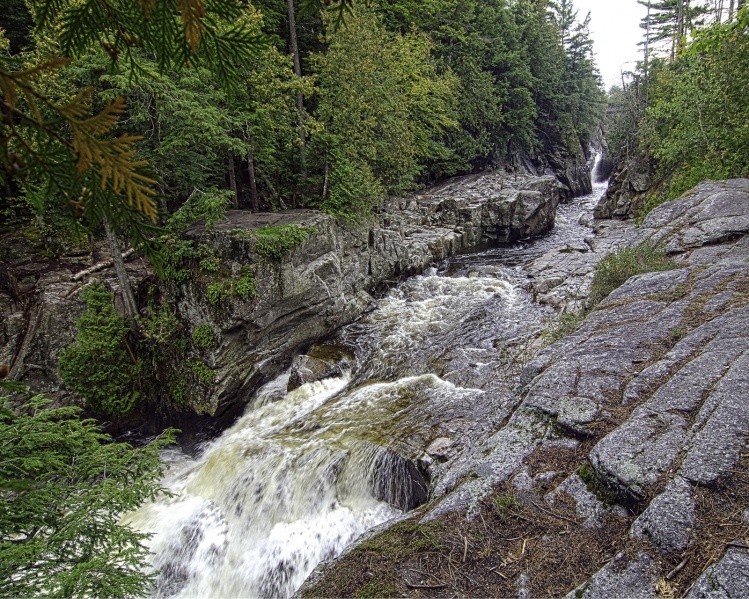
pixel 647 41
pixel 253 182
pixel 680 26
pixel 326 172
pixel 128 299
pixel 294 47
pixel 233 181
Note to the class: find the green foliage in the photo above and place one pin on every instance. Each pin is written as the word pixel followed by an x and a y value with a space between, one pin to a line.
pixel 97 365
pixel 64 487
pixel 209 262
pixel 217 292
pixel 688 119
pixel 276 242
pixel 205 374
pixel 178 391
pixel 219 35
pixel 161 327
pixel 407 92
pixel 616 268
pixel 353 188
pixel 209 206
pixel 16 20
pixel 244 286
pixel 203 337
pixel 391 114
pixel 174 254
pixel 696 118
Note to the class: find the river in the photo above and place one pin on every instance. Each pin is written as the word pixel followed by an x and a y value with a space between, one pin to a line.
pixel 301 475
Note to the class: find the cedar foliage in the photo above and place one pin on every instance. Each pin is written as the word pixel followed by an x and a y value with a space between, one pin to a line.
pixel 64 486
pixel 97 367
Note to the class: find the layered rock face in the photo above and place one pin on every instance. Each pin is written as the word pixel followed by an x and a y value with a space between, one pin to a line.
pixel 327 281
pixel 627 192
pixel 647 400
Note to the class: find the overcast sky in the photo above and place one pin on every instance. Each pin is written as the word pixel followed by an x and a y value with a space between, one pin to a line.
pixel 615 29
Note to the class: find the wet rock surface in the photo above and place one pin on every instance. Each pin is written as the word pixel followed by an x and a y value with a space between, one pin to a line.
pixel 648 397
pixel 327 281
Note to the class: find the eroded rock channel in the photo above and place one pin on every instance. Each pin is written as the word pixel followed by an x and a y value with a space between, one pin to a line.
pixel 621 468
pixel 365 426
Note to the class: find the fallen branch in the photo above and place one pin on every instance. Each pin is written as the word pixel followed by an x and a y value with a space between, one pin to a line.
pixel 425 586
pixel 552 514
pixel 677 569
pixel 100 266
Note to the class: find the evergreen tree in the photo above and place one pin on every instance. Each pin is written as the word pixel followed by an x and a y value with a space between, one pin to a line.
pixel 389 118
pixel 63 488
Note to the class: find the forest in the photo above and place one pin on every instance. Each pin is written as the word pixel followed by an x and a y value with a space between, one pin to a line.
pixel 681 116
pixel 309 110
pixel 131 121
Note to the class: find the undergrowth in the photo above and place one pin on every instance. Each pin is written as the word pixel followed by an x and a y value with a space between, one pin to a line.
pixel 614 270
pixel 610 274
pixel 276 242
pixel 99 366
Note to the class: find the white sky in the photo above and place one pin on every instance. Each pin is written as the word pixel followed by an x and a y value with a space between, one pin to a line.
pixel 615 29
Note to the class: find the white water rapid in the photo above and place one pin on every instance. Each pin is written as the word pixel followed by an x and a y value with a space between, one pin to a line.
pixel 303 474
pixel 298 477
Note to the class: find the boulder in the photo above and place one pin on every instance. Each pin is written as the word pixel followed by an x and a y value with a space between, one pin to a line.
pixel 309 369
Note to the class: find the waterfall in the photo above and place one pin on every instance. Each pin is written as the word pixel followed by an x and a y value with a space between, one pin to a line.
pixel 303 474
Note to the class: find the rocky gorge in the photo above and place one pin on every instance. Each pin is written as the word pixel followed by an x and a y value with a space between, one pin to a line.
pixel 612 462
pixel 328 280
pixel 620 468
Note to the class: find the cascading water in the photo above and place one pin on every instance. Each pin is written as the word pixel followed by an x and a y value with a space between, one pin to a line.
pixel 303 474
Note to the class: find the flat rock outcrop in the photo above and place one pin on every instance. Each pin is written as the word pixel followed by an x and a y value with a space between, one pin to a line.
pixel 631 433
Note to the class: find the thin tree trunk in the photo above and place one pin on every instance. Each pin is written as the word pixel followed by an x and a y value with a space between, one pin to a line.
pixel 294 47
pixel 326 172
pixel 233 181
pixel 647 41
pixel 128 299
pixel 253 182
pixel 680 26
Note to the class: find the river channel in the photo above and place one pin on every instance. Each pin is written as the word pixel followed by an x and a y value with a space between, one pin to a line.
pixel 302 474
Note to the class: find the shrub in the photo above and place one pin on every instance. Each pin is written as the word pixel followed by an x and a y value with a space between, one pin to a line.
pixel 203 336
pixel 203 372
pixel 616 268
pixel 244 287
pixel 276 242
pixel 217 292
pixel 209 262
pixel 172 259
pixel 97 366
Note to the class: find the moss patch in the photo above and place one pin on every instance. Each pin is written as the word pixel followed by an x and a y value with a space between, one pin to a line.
pixel 276 242
pixel 482 557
